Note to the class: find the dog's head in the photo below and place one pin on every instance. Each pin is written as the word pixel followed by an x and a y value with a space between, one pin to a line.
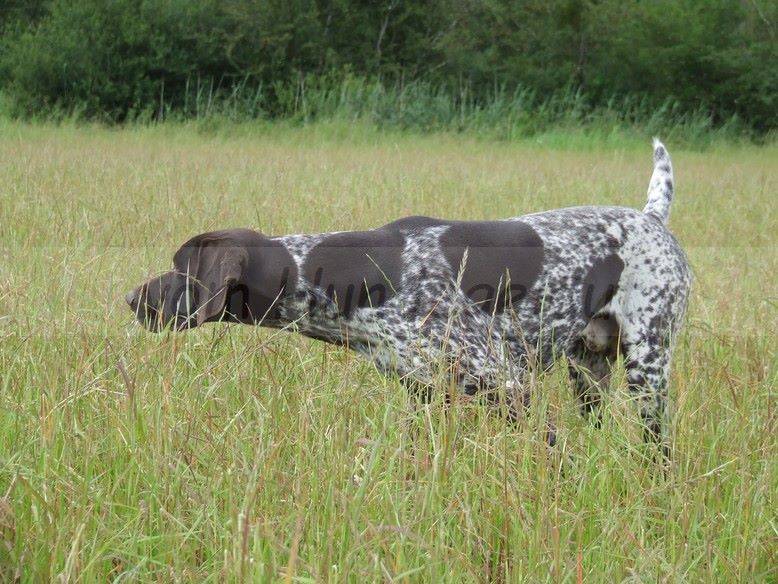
pixel 234 275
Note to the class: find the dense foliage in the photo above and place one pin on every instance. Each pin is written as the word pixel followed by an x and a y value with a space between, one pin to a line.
pixel 120 59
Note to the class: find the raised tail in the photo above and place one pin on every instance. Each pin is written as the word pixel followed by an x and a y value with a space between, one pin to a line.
pixel 660 189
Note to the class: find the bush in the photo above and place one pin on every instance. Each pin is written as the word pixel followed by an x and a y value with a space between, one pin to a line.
pixel 123 59
pixel 114 59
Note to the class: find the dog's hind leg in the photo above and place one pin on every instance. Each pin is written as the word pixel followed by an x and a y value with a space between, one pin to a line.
pixel 647 366
pixel 591 359
pixel 590 376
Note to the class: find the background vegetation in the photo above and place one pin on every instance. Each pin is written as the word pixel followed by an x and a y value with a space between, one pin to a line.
pixel 238 454
pixel 427 64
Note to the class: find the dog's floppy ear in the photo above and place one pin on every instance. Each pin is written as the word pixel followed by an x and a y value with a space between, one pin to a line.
pixel 213 263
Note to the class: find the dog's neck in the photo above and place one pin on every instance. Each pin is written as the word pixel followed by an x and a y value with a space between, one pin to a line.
pixel 268 278
pixel 316 283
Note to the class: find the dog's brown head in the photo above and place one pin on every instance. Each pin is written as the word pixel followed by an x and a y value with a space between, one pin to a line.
pixel 195 290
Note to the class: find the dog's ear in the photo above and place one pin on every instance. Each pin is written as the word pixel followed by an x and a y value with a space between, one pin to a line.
pixel 213 264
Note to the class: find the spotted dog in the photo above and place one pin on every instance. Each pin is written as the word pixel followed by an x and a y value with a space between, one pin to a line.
pixel 486 298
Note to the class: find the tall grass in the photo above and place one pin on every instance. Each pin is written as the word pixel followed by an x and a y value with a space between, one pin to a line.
pixel 424 107
pixel 238 454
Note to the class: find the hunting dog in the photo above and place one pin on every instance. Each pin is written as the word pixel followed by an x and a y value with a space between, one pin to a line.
pixel 491 298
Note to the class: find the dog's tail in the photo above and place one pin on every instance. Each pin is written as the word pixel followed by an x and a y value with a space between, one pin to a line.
pixel 660 189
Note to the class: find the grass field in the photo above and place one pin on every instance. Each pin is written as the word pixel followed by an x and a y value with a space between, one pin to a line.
pixel 239 454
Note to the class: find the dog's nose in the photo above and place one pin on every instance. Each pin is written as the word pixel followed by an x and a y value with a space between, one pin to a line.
pixel 132 298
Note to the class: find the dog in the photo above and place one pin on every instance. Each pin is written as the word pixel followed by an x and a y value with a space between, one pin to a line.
pixel 488 298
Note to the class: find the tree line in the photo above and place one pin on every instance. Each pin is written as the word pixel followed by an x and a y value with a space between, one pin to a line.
pixel 118 60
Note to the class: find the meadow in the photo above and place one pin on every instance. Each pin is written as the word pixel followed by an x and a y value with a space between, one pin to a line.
pixel 239 454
